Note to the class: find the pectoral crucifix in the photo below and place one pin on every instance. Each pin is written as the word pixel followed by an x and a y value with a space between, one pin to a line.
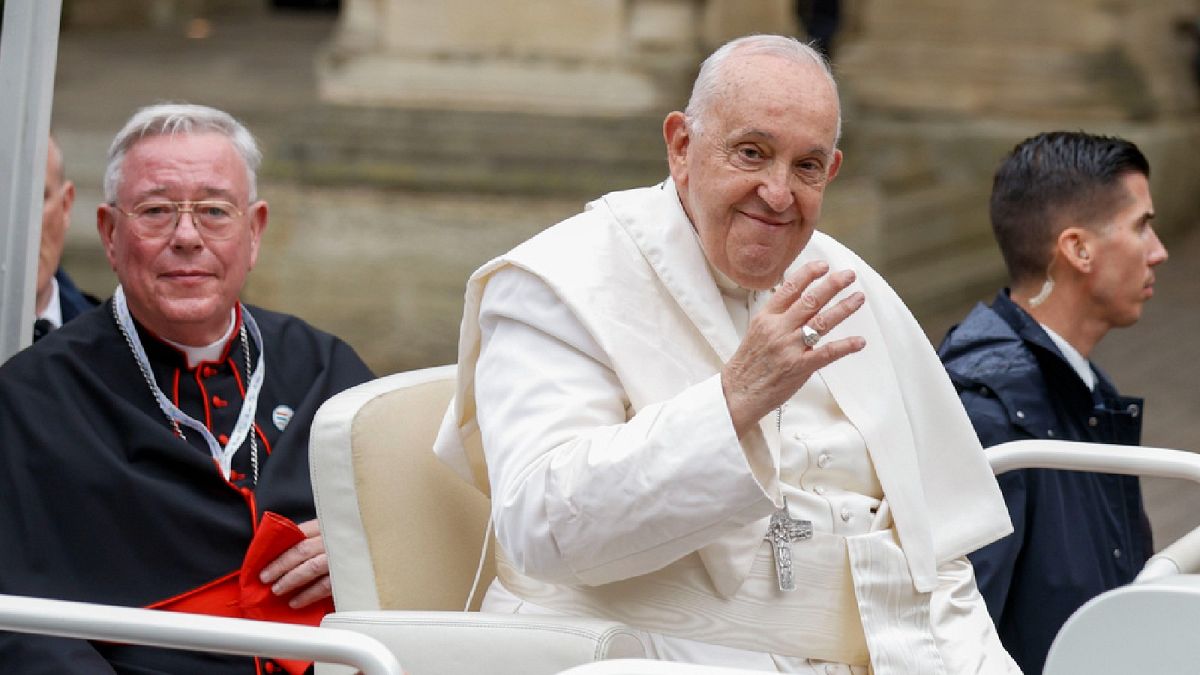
pixel 783 530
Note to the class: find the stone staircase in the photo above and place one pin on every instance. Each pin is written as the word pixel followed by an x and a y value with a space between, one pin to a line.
pixel 463 151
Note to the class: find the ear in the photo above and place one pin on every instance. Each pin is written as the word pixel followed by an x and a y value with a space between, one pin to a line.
pixel 258 213
pixel 1073 248
pixel 106 225
pixel 68 200
pixel 835 165
pixel 678 138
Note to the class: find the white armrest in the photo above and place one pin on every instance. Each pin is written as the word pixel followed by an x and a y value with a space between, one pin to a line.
pixel 194 631
pixel 453 643
pixel 1132 460
pixel 1183 556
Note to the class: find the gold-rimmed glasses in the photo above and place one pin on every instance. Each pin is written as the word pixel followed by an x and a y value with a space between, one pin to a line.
pixel 157 218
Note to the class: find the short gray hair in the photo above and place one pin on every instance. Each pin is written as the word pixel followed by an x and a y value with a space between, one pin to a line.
pixel 168 119
pixel 708 82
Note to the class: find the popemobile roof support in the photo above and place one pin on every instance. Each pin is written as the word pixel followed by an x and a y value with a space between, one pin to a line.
pixel 28 53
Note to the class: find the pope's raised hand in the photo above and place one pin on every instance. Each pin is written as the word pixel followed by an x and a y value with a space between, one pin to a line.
pixel 773 361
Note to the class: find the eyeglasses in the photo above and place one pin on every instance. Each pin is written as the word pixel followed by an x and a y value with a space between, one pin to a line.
pixel 156 219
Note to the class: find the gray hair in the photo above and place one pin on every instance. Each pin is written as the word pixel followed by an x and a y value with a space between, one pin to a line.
pixel 708 82
pixel 169 119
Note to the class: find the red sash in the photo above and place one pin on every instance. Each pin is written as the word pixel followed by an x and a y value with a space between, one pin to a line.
pixel 240 594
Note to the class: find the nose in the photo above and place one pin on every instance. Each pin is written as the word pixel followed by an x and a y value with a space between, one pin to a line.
pixel 775 189
pixel 186 235
pixel 1158 252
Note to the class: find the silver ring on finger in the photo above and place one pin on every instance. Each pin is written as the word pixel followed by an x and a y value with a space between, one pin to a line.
pixel 809 335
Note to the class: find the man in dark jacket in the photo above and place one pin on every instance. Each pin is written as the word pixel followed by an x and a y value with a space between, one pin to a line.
pixel 1072 214
pixel 57 299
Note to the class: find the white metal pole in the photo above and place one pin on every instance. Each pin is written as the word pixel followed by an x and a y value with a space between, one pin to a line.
pixel 28 53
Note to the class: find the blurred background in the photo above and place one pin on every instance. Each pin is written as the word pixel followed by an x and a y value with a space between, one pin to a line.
pixel 407 142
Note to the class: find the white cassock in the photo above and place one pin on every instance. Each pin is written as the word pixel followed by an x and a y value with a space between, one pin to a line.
pixel 589 365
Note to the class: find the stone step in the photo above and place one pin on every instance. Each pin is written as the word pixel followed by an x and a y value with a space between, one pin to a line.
pixel 453 151
pixel 930 221
pixel 948 279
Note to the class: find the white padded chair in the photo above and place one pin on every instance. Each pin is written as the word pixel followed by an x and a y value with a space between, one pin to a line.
pixel 404 535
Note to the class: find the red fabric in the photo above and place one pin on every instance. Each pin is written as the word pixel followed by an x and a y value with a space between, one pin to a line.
pixel 240 594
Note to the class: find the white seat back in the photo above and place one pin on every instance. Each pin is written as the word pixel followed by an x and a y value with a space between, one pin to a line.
pixel 402 530
pixel 1143 628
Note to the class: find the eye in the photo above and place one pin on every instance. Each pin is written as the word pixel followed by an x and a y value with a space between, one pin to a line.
pixel 750 153
pixel 811 171
pixel 154 209
pixel 215 210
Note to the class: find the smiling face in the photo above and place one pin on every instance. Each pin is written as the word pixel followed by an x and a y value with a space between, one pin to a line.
pixel 752 177
pixel 1123 255
pixel 182 286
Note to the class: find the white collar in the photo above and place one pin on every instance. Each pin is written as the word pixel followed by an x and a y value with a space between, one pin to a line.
pixel 209 352
pixel 53 311
pixel 1082 366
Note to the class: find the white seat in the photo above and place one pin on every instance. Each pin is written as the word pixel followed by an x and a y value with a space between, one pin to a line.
pixel 404 533
pixel 1142 628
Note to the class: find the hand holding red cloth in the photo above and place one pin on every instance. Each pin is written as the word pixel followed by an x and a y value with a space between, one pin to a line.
pixel 241 593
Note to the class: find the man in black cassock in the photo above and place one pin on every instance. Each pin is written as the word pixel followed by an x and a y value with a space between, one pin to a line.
pixel 154 451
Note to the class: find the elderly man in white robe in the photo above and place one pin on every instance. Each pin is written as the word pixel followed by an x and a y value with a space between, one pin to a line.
pixel 703 418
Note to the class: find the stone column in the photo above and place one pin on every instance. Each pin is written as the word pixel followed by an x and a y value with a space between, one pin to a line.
pixel 585 57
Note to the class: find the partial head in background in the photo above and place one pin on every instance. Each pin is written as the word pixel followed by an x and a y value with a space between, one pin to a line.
pixel 57 197
pixel 181 223
pixel 753 152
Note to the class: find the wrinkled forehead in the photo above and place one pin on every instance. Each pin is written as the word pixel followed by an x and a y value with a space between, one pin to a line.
pixel 193 163
pixel 763 89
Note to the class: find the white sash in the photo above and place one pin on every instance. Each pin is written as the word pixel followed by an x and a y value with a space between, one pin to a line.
pixel 842 585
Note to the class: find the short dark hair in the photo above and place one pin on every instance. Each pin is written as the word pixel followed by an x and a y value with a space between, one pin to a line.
pixel 1047 177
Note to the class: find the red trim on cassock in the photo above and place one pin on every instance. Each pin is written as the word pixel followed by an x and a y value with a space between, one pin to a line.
pixel 204 398
pixel 240 594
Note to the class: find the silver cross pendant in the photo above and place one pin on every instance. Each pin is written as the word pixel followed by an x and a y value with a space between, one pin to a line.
pixel 783 530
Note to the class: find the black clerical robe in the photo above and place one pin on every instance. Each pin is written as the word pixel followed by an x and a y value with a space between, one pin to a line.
pixel 100 501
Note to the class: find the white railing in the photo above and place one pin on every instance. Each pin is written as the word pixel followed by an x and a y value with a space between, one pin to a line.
pixel 195 632
pixel 1183 556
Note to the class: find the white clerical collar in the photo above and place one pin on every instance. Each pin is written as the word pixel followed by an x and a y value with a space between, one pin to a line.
pixel 209 352
pixel 1081 365
pixel 53 311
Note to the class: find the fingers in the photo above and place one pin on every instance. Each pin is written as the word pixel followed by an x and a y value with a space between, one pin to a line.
pixel 825 354
pixel 319 590
pixel 825 321
pixel 292 558
pixel 793 286
pixel 303 566
pixel 815 296
pixel 310 577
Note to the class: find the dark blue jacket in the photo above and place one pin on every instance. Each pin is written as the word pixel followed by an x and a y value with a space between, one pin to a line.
pixel 1076 534
pixel 72 300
